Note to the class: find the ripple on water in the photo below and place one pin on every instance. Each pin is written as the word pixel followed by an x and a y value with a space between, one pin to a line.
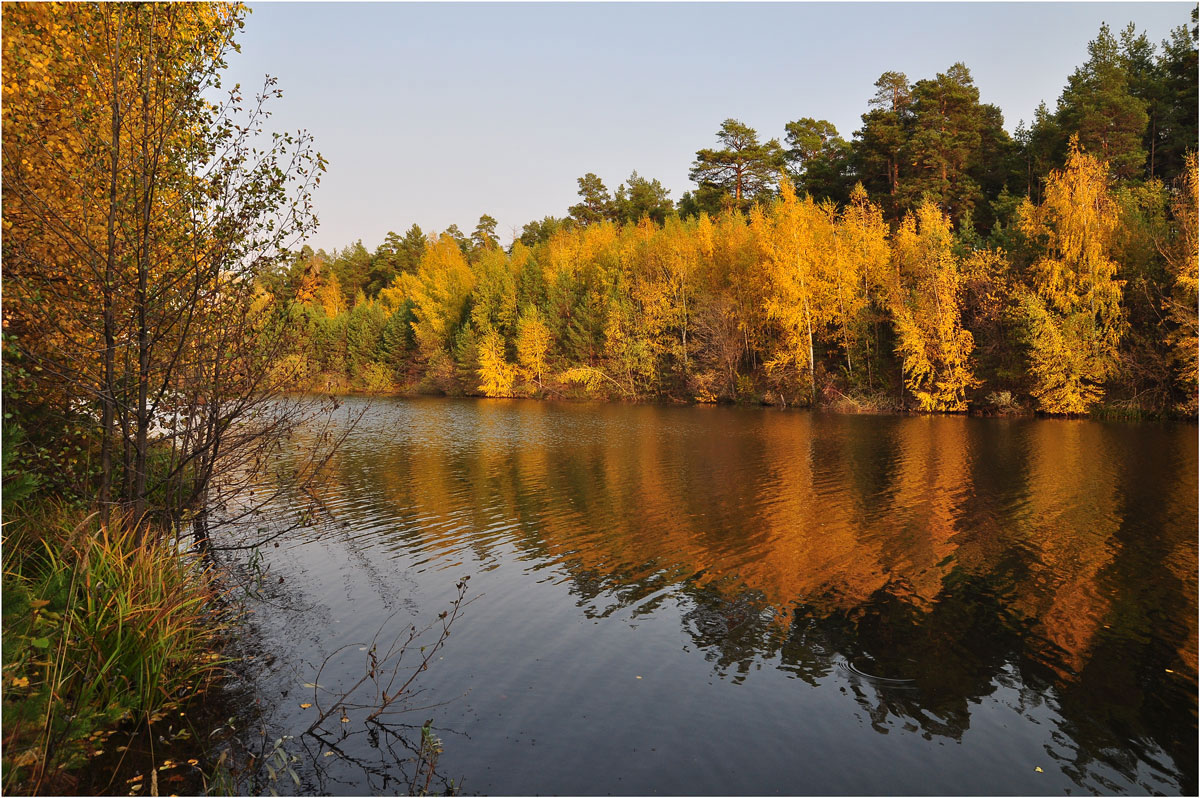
pixel 838 596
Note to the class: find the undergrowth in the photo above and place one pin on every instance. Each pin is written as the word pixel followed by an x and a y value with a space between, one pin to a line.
pixel 103 630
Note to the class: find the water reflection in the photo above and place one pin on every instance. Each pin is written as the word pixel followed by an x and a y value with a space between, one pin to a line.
pixel 921 565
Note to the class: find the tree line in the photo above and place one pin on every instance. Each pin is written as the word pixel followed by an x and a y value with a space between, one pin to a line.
pixel 933 262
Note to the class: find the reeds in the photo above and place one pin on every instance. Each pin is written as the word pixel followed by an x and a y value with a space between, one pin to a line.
pixel 102 627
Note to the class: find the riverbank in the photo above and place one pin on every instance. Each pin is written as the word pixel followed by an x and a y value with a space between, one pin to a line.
pixel 991 404
pixel 111 641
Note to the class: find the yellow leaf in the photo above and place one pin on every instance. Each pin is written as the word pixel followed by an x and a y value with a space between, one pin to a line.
pixel 1039 770
pixel 305 706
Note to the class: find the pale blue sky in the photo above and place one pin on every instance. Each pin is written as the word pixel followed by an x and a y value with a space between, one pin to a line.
pixel 437 113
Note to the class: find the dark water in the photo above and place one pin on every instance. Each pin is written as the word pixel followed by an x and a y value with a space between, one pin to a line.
pixel 697 600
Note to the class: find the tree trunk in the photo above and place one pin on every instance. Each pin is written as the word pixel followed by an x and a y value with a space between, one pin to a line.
pixel 107 387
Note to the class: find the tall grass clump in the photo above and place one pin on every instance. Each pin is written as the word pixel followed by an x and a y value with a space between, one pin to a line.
pixel 104 629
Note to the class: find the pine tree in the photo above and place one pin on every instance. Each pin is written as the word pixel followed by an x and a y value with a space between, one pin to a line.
pixel 596 204
pixel 745 170
pixel 877 145
pixel 819 159
pixel 1098 106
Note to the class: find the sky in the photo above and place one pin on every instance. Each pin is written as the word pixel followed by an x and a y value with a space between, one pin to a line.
pixel 437 113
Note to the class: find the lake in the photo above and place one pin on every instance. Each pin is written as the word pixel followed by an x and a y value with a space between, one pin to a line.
pixel 717 600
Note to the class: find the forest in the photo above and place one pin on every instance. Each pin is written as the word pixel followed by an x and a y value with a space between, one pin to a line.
pixel 932 262
pixel 166 331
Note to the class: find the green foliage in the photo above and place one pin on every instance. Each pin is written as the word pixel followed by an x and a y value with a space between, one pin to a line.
pixel 484 236
pixel 744 170
pixel 824 293
pixel 954 142
pixel 596 203
pixel 1099 105
pixel 20 482
pixel 638 197
pixel 101 627
pixel 819 159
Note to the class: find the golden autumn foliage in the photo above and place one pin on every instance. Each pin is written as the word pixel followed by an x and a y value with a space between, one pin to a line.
pixel 794 239
pixel 142 202
pixel 861 253
pixel 1182 255
pixel 1073 309
pixel 328 295
pixel 533 344
pixel 925 296
pixel 496 374
pixel 795 301
pixel 439 289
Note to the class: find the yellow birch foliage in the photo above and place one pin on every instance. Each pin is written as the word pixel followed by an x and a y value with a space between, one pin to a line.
pixel 862 255
pixel 439 291
pixel 329 295
pixel 66 66
pixel 533 343
pixel 854 259
pixel 1073 313
pixel 496 374
pixel 926 303
pixel 790 242
pixel 1182 256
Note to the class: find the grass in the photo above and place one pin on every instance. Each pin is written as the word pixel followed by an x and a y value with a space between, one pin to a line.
pixel 101 630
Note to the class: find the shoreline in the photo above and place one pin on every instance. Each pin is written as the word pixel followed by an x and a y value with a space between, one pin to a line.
pixel 848 406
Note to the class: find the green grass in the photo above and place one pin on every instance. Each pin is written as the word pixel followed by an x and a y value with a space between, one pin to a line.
pixel 101 630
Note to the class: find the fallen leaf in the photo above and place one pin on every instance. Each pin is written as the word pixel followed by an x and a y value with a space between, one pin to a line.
pixel 1039 770
pixel 305 706
pixel 637 677
pixel 328 753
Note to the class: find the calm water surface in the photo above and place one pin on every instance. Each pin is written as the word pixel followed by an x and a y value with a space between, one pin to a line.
pixel 699 600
